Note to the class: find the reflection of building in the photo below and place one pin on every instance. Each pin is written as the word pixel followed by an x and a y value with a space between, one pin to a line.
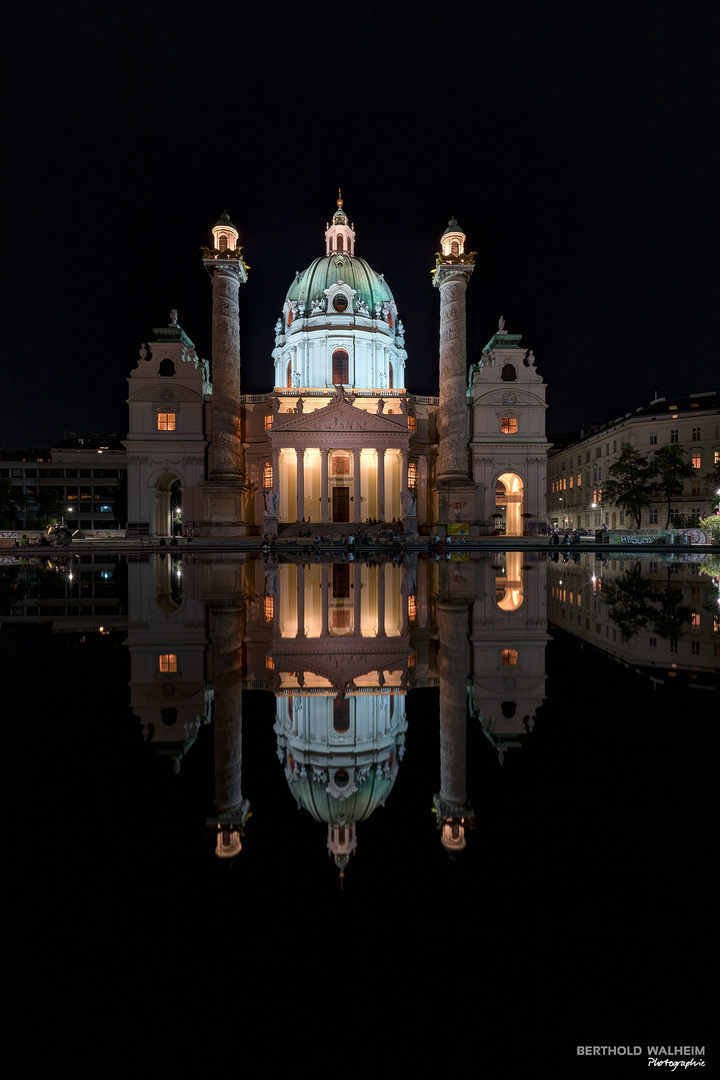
pixel 509 635
pixel 339 438
pixel 576 473
pixel 667 608
pixel 340 656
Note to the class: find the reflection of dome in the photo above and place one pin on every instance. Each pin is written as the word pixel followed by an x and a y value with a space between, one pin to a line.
pixel 327 271
pixel 358 805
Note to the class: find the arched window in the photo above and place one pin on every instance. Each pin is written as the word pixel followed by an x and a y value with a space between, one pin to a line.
pixel 339 243
pixel 509 374
pixel 454 248
pixel 223 243
pixel 391 377
pixel 166 368
pixel 340 303
pixel 340 366
pixel 288 375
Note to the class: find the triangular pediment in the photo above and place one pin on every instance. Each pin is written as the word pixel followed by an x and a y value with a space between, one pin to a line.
pixel 341 415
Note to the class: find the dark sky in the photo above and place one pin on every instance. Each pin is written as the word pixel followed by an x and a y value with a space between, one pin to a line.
pixel 577 144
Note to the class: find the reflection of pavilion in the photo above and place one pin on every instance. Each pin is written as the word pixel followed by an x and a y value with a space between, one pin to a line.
pixel 340 655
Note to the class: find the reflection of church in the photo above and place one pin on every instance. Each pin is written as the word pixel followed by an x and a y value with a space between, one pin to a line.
pixel 340 438
pixel 340 646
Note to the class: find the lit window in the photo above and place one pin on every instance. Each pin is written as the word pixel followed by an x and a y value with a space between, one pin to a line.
pixel 167 663
pixel 412 475
pixel 412 423
pixel 269 663
pixel 697 460
pixel 267 475
pixel 268 421
pixel 716 457
pixel 412 608
pixel 508 657
pixel 166 421
pixel 508 425
pixel 340 363
pixel 268 608
pixel 695 620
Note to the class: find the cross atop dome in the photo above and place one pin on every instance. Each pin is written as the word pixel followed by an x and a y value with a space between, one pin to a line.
pixel 340 237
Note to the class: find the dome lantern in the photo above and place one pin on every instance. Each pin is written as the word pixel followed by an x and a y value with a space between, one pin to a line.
pixel 453 240
pixel 340 236
pixel 225 235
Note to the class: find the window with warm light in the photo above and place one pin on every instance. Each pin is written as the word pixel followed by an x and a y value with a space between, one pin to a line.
pixel 166 421
pixel 508 657
pixel 412 475
pixel 269 663
pixel 267 475
pixel 167 663
pixel 695 619
pixel 340 366
pixel 268 421
pixel 508 425
pixel 412 608
pixel 268 608
pixel 412 423
pixel 697 460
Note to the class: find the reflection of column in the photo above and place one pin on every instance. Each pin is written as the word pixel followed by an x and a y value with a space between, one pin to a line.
pixel 300 599
pixel 357 511
pixel 324 602
pixel 380 570
pixel 381 484
pixel 451 803
pixel 356 599
pixel 276 474
pixel 323 484
pixel 300 474
pixel 231 808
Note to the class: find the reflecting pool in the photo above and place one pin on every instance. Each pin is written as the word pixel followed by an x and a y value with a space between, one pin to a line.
pixel 470 795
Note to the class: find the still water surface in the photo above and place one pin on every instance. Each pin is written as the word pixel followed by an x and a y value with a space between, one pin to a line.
pixel 365 810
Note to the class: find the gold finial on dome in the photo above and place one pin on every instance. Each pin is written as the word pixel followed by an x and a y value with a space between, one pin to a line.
pixel 339 198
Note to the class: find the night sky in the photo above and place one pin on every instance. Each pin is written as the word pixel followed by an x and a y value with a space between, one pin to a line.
pixel 576 144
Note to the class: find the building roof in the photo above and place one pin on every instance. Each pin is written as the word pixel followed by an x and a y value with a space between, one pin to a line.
pixel 322 273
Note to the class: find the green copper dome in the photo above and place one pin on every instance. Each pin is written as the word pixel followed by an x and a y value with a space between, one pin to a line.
pixel 324 272
pixel 358 806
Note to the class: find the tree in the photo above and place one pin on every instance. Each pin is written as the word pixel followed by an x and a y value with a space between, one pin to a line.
pixel 50 502
pixel 12 501
pixel 630 482
pixel 671 468
pixel 629 601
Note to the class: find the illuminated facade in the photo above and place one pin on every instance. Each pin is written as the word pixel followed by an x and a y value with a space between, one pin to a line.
pixel 339 439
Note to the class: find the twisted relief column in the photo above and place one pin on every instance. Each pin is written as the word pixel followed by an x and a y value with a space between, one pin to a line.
pixel 227 276
pixel 453 482
pixel 452 283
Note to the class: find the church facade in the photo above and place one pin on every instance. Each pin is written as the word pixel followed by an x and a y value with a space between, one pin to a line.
pixel 339 438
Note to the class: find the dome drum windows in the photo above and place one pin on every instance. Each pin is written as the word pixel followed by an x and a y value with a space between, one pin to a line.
pixel 340 367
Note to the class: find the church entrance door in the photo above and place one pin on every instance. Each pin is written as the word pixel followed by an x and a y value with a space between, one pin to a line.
pixel 341 504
